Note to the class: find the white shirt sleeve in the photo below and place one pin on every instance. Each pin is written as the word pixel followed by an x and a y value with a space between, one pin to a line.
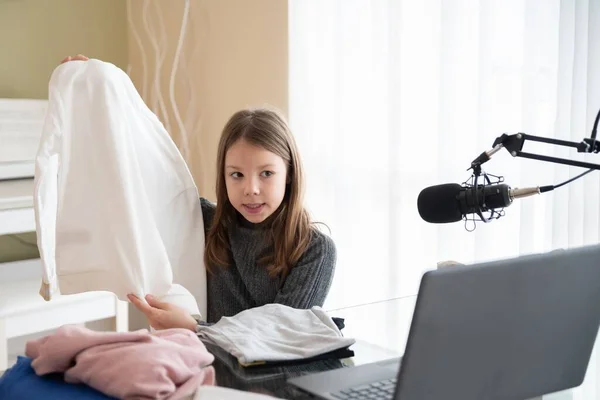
pixel 46 198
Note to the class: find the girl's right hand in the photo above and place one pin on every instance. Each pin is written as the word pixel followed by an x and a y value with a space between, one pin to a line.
pixel 78 57
pixel 163 315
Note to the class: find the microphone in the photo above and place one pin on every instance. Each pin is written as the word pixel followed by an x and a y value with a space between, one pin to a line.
pixel 451 202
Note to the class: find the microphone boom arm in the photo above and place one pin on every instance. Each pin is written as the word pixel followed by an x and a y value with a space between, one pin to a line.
pixel 514 145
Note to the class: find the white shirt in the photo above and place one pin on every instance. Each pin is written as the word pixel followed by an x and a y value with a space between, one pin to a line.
pixel 116 207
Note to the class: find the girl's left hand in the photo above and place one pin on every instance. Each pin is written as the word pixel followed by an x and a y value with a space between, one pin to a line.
pixel 163 315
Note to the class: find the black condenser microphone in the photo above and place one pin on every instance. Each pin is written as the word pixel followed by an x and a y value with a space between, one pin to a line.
pixel 450 202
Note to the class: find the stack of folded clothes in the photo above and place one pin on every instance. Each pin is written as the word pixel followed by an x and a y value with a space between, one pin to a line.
pixel 275 334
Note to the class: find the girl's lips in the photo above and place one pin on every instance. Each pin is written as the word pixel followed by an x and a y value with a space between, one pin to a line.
pixel 254 208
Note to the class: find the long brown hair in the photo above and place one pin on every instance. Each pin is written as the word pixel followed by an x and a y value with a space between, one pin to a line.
pixel 291 228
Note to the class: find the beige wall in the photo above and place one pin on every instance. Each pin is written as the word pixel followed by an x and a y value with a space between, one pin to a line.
pixel 235 56
pixel 36 34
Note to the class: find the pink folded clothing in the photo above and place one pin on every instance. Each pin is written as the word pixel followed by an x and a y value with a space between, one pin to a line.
pixel 168 364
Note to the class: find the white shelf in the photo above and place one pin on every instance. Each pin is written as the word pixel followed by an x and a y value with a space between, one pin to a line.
pixel 16 193
pixel 17 170
pixel 17 221
pixel 16 206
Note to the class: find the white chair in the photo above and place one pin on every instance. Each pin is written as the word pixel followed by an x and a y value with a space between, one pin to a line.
pixel 23 311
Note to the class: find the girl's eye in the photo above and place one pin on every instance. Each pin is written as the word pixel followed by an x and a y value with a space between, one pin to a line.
pixel 266 174
pixel 236 175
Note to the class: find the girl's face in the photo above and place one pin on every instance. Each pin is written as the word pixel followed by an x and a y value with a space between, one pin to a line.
pixel 255 179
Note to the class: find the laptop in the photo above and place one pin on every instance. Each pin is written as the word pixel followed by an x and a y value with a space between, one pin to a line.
pixel 508 329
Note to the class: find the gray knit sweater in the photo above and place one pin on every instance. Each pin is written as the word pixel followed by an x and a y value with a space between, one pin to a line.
pixel 244 284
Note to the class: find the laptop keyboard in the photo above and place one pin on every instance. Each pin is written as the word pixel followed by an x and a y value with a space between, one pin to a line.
pixel 381 390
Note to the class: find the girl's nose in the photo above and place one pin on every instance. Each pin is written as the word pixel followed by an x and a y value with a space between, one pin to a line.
pixel 252 187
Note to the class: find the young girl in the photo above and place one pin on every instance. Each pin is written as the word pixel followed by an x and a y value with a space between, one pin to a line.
pixel 261 246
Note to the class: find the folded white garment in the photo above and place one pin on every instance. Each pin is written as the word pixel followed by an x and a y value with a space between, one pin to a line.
pixel 274 333
pixel 116 208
